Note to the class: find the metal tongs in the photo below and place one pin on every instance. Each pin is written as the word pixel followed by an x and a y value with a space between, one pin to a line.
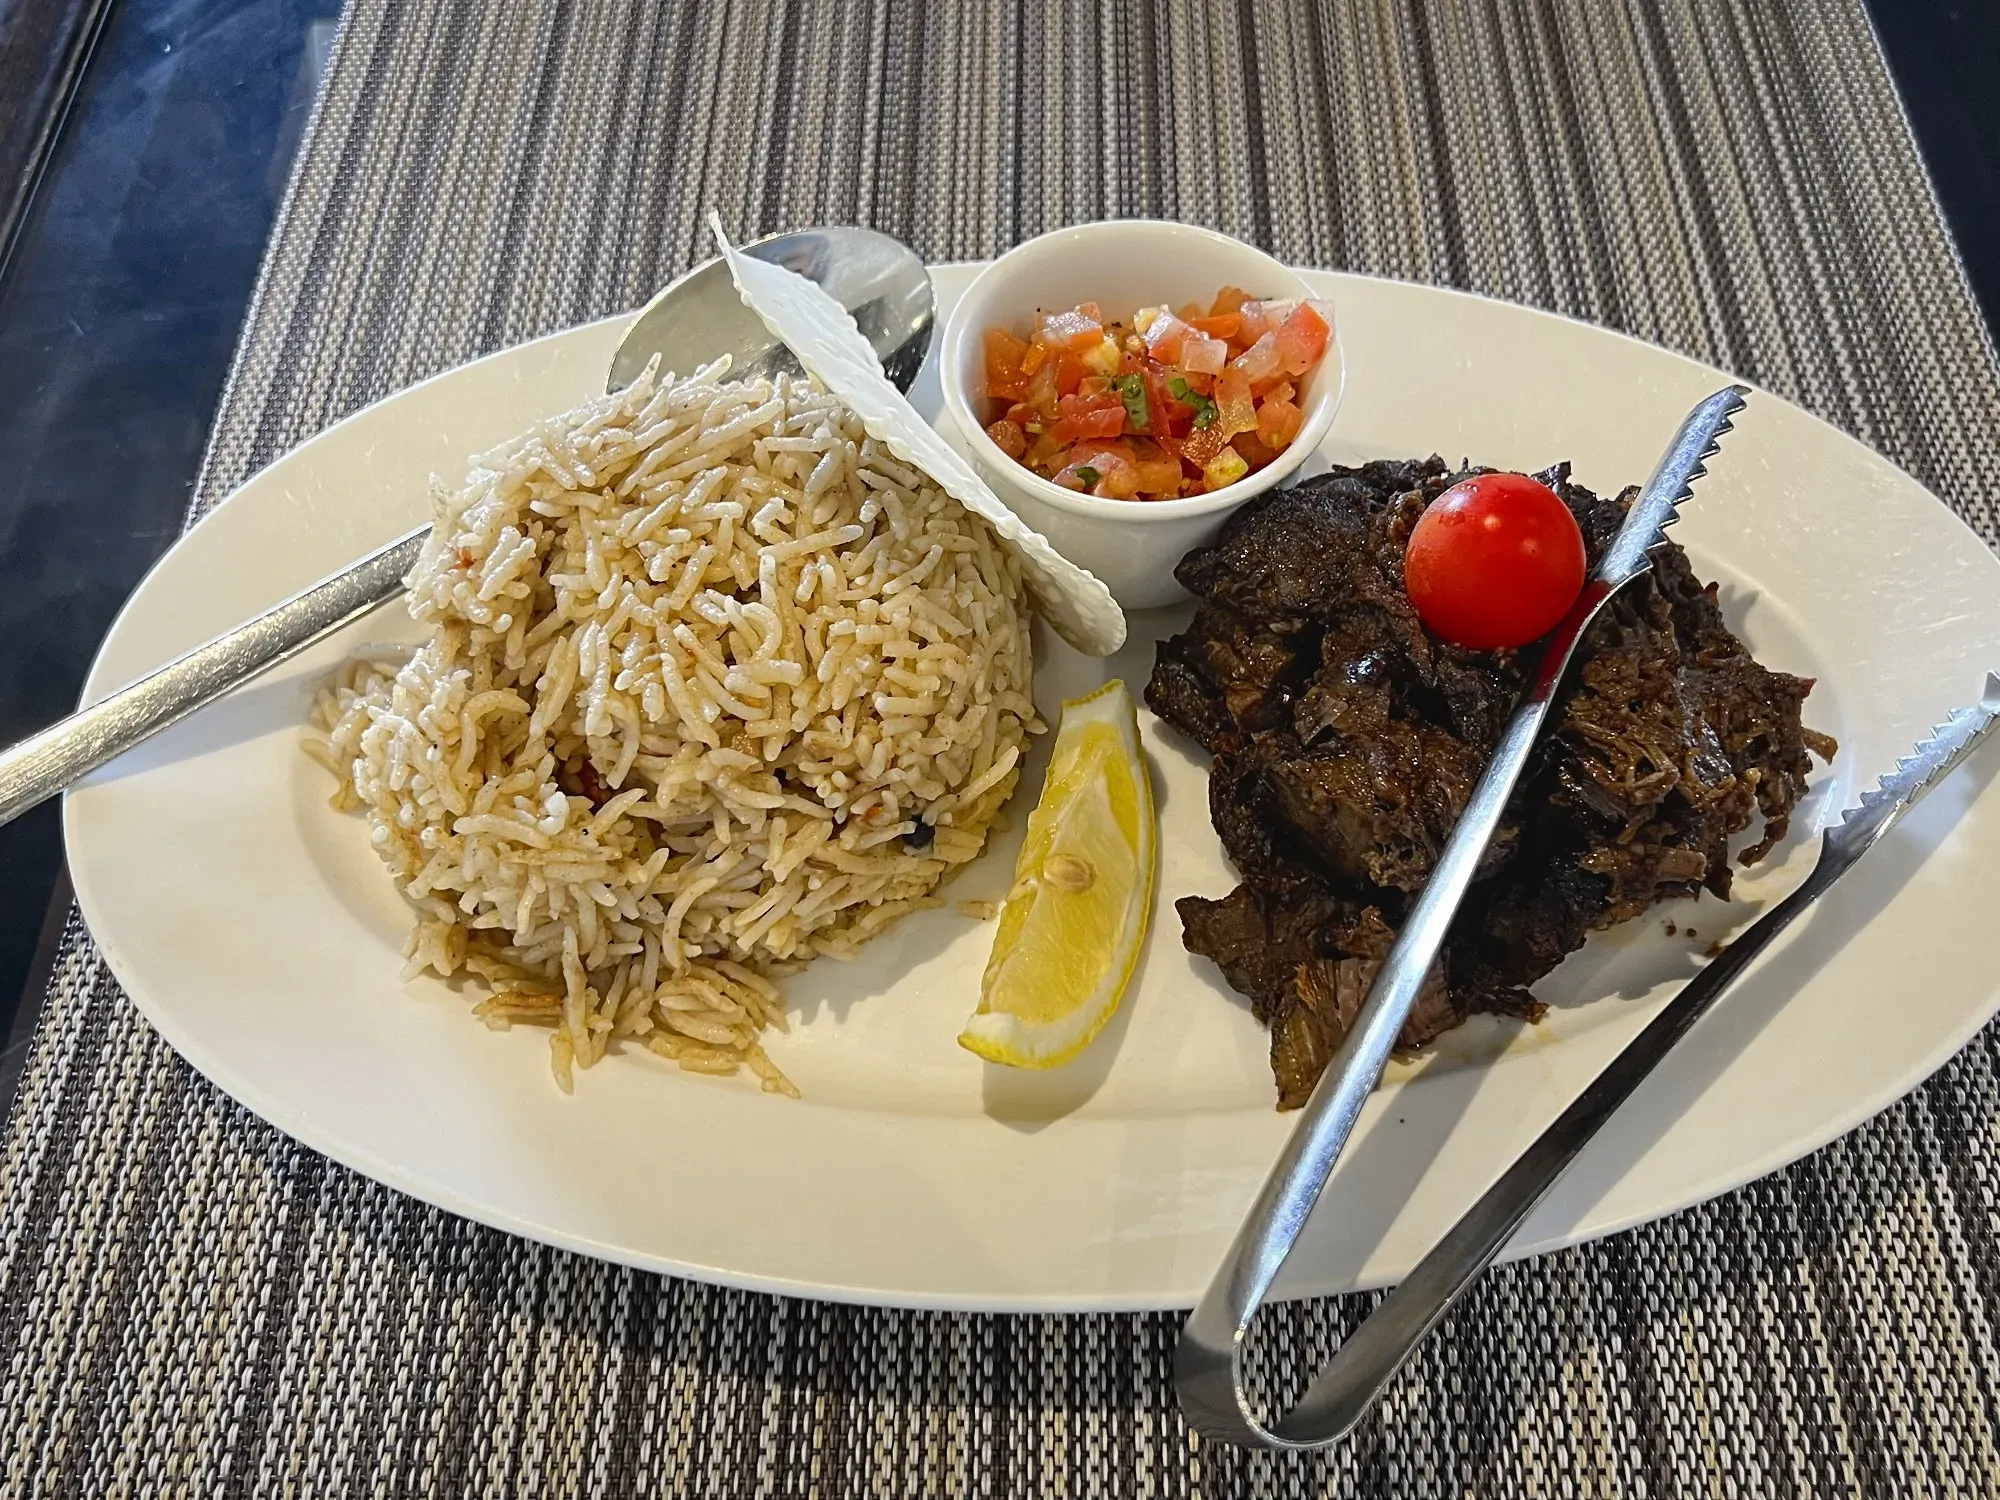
pixel 1207 1363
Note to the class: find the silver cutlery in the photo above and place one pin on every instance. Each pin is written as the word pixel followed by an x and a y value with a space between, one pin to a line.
pixel 1355 1376
pixel 695 319
pixel 1207 1361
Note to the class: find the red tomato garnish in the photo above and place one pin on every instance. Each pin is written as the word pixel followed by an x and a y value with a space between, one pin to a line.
pixel 1495 561
pixel 1159 474
pixel 1253 449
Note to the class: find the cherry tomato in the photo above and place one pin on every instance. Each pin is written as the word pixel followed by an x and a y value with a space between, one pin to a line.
pixel 1496 560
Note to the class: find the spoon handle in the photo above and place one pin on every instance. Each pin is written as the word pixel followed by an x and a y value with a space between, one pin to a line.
pixel 46 763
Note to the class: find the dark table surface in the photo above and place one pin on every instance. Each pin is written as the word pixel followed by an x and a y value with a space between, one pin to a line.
pixel 137 255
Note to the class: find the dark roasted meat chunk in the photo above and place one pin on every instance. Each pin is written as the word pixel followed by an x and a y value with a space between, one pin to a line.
pixel 1346 741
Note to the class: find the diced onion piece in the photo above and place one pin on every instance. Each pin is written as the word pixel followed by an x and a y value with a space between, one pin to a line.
pixel 1204 355
pixel 1069 329
pixel 1260 362
pixel 1165 337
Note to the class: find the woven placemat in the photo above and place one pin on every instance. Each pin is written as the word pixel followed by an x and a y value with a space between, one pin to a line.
pixel 190 1303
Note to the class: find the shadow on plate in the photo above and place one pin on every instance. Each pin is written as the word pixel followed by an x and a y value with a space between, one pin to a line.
pixel 1757 997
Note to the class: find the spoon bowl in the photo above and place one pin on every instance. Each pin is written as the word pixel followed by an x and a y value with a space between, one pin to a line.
pixel 699 316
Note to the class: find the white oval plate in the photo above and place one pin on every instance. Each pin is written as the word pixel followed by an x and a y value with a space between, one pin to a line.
pixel 252 925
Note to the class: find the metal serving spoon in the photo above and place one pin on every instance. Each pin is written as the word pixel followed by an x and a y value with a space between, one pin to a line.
pixel 697 318
pixel 1207 1361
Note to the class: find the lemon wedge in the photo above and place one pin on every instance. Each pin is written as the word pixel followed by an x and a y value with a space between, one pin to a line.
pixel 1070 931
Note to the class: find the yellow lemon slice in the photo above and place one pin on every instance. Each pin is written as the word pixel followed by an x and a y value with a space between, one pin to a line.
pixel 1070 932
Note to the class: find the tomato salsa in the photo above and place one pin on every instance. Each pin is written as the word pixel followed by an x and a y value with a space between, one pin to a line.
pixel 1173 403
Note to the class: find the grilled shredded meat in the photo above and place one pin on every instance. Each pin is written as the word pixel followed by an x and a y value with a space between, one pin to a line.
pixel 1346 741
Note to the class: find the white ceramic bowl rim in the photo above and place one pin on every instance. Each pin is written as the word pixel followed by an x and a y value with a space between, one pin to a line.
pixel 958 327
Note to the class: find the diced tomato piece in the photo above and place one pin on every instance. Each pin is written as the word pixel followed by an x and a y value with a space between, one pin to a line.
pixel 1021 414
pixel 1159 475
pixel 1093 385
pixel 1117 475
pixel 1069 373
pixel 1223 326
pixel 1091 311
pixel 1045 455
pixel 1189 311
pixel 1230 299
pixel 1254 452
pixel 1234 409
pixel 1037 356
pixel 1004 354
pixel 1165 337
pixel 1010 438
pixel 1120 481
pixel 1069 329
pixel 1279 419
pixel 1302 339
pixel 1204 355
pixel 1079 416
pixel 1203 443
pixel 1260 361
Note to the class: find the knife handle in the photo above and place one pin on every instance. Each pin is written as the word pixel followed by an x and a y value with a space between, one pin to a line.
pixel 43 764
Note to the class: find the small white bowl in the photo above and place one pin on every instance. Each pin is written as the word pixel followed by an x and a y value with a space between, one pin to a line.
pixel 1122 265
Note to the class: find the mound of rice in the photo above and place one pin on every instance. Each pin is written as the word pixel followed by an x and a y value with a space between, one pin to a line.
pixel 713 684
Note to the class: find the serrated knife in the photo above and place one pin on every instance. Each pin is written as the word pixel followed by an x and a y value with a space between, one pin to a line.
pixel 1208 1360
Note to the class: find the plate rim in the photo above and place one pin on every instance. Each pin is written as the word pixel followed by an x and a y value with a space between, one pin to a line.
pixel 246 1091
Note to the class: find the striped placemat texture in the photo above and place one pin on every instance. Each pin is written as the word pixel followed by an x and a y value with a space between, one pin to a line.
pixel 189 1303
